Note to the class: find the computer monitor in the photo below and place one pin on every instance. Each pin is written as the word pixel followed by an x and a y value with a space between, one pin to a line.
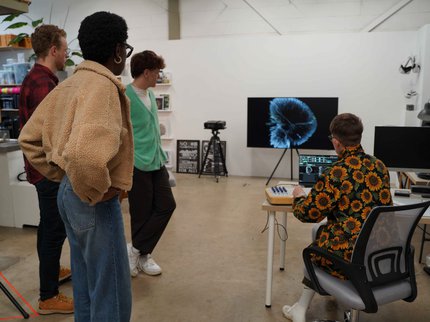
pixel 312 166
pixel 403 148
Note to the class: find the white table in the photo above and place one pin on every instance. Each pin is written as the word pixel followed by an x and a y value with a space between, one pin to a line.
pixel 283 210
pixel 271 212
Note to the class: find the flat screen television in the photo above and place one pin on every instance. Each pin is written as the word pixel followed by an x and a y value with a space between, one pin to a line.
pixel 290 122
pixel 403 148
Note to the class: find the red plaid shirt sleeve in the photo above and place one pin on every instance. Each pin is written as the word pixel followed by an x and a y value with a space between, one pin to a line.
pixel 35 87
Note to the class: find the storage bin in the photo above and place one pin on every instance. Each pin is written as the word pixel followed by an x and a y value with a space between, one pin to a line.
pixel 20 70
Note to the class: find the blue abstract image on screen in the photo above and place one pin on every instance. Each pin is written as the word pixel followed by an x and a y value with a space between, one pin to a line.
pixel 291 123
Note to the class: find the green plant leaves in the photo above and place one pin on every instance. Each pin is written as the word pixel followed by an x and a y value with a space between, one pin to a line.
pixel 35 23
pixel 69 62
pixel 76 53
pixel 11 17
pixel 32 57
pixel 18 38
pixel 17 25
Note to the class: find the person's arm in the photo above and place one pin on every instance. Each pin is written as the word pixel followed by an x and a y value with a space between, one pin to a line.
pixel 93 142
pixel 317 204
pixel 30 141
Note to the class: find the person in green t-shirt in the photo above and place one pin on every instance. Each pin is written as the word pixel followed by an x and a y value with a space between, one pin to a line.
pixel 150 198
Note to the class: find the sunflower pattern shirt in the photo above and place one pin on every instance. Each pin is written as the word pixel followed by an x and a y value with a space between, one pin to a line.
pixel 344 194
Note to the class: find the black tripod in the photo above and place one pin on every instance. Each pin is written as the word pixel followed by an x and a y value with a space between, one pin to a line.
pixel 218 154
pixel 277 164
pixel 14 301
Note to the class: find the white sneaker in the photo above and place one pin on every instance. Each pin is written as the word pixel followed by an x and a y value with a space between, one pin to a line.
pixel 133 259
pixel 148 265
pixel 295 313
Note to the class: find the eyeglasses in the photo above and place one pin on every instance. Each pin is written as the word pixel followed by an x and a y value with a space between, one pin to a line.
pixel 128 50
pixel 330 137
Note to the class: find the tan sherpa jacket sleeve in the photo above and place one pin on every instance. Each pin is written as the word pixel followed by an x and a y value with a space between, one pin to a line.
pixel 94 141
pixel 30 141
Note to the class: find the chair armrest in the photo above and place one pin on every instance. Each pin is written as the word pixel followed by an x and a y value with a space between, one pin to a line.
pixel 355 273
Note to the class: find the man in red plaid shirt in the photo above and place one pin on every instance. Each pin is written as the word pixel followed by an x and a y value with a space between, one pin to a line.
pixel 50 46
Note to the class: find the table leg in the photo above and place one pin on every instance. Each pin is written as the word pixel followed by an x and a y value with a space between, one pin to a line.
pixel 270 240
pixel 283 236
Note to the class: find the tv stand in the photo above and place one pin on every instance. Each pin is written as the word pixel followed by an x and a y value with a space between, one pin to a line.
pixel 423 175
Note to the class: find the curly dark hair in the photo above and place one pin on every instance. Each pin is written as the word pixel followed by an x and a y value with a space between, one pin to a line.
pixel 99 34
pixel 44 37
pixel 146 59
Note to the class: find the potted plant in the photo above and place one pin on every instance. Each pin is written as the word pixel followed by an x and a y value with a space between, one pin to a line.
pixel 23 39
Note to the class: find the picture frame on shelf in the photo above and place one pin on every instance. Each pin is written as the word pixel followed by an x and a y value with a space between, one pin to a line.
pixel 163 102
pixel 188 157
pixel 164 78
pixel 159 100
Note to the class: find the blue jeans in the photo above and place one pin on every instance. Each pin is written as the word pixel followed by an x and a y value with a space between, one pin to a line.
pixel 50 238
pixel 101 275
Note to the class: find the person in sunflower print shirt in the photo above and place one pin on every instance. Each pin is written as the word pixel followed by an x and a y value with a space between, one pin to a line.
pixel 345 194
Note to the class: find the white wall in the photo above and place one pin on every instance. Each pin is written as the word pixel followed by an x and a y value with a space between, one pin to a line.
pixel 212 77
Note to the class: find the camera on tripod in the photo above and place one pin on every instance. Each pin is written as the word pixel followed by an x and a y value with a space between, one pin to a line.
pixel 214 125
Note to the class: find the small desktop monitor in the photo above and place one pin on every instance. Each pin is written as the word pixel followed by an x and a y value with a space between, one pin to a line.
pixel 403 148
pixel 290 122
pixel 312 166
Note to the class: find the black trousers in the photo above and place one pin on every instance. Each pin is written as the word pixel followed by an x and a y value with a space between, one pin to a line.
pixel 50 238
pixel 151 206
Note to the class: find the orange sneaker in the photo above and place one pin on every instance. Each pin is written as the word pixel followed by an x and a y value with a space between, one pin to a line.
pixel 57 304
pixel 65 274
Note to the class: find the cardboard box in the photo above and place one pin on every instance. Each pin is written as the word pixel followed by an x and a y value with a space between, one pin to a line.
pixel 5 39
pixel 25 43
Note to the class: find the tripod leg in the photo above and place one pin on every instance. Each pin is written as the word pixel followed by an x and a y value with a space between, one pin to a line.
pixel 276 167
pixel 14 301
pixel 216 157
pixel 222 158
pixel 206 156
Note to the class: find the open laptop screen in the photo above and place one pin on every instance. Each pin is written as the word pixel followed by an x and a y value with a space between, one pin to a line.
pixel 312 166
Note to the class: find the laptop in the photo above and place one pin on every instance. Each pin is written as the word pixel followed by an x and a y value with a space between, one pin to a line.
pixel 312 166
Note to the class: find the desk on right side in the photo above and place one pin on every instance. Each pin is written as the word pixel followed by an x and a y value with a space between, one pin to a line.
pixel 406 179
pixel 425 219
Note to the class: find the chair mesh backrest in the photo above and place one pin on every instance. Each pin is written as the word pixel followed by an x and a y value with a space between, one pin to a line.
pixel 383 245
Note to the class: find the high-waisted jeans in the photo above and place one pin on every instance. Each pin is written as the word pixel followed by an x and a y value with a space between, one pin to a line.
pixel 101 274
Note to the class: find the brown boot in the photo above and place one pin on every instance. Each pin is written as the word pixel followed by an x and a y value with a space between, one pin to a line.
pixel 65 274
pixel 57 304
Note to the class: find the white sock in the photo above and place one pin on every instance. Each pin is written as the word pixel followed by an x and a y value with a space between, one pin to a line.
pixel 306 298
pixel 297 312
pixel 135 250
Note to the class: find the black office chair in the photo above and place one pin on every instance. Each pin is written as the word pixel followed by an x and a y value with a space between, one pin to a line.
pixel 381 270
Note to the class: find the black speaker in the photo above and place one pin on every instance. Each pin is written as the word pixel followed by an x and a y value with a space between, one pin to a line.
pixel 420 189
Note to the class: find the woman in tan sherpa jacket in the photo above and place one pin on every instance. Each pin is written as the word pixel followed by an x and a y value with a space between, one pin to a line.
pixel 81 135
pixel 83 128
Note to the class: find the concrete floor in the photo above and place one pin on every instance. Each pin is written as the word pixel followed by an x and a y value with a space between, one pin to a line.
pixel 213 255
